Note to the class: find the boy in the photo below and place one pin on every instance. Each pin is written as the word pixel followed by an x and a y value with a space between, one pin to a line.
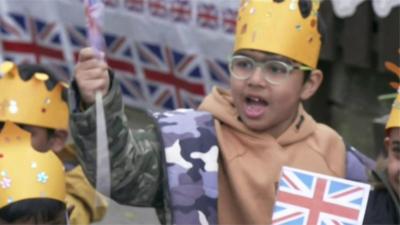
pixel 256 127
pixel 32 191
pixel 32 97
pixel 384 204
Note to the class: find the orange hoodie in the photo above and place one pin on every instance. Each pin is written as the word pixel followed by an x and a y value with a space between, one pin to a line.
pixel 250 162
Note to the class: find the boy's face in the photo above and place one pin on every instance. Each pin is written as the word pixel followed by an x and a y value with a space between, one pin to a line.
pixel 267 107
pixel 40 137
pixel 392 143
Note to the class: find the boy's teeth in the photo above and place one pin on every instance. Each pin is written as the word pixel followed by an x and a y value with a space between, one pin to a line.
pixel 255 99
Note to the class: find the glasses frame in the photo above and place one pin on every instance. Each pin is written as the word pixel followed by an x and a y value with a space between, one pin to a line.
pixel 290 68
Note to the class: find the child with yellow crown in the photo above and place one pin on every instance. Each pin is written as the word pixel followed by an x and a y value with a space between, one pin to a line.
pixel 32 183
pixel 32 98
pixel 220 164
pixel 384 201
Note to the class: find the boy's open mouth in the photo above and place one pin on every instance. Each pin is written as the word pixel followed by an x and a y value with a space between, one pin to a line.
pixel 254 107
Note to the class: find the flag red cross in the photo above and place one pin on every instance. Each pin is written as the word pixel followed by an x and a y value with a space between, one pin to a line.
pixel 33 47
pixel 180 10
pixel 207 14
pixel 316 204
pixel 157 7
pixel 169 78
pixel 113 62
pixel 229 19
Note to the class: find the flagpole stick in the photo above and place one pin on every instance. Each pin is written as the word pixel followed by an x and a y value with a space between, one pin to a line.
pixel 94 12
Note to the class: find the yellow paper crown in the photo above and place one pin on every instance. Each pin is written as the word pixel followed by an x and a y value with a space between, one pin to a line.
pixel 278 27
pixel 26 173
pixel 30 102
pixel 394 117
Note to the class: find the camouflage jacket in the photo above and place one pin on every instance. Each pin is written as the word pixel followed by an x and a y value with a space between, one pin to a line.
pixel 183 189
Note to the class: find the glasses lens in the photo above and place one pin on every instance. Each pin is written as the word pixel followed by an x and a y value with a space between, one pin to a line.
pixel 275 71
pixel 242 67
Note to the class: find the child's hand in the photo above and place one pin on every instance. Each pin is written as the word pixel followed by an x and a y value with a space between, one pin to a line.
pixel 91 75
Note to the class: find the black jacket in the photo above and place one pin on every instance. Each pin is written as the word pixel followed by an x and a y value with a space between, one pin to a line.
pixel 383 205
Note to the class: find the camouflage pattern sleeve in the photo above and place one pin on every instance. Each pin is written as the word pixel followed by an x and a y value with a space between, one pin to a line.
pixel 135 157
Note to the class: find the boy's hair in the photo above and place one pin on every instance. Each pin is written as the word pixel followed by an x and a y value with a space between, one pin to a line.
pixel 26 72
pixel 38 210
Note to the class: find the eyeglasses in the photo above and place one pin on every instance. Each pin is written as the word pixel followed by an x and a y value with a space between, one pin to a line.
pixel 274 71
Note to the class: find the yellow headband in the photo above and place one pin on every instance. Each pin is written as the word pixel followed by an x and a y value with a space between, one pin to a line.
pixel 29 102
pixel 26 173
pixel 279 28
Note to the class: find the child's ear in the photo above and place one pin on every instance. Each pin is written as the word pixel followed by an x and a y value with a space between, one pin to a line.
pixel 312 84
pixel 58 139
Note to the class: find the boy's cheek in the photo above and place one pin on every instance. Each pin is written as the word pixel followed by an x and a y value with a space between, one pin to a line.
pixel 395 156
pixel 394 160
pixel 394 167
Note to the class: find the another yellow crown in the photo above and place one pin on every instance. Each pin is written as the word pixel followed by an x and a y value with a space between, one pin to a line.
pixel 278 27
pixel 394 118
pixel 30 102
pixel 26 173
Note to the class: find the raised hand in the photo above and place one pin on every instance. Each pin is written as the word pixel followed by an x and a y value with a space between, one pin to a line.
pixel 91 75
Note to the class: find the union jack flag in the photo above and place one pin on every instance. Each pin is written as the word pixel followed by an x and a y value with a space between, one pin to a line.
pixel 181 11
pixel 229 20
pixel 135 5
pixel 158 8
pixel 310 198
pixel 219 72
pixel 26 39
pixel 119 56
pixel 174 79
pixel 207 16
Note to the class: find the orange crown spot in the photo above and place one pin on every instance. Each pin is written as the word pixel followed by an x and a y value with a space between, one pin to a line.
pixel 29 102
pixel 26 173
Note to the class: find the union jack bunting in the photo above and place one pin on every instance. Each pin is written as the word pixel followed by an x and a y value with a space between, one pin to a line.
pixel 134 5
pixel 155 71
pixel 120 58
pixel 181 11
pixel 174 79
pixel 207 16
pixel 219 72
pixel 229 20
pixel 26 39
pixel 310 198
pixel 158 8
